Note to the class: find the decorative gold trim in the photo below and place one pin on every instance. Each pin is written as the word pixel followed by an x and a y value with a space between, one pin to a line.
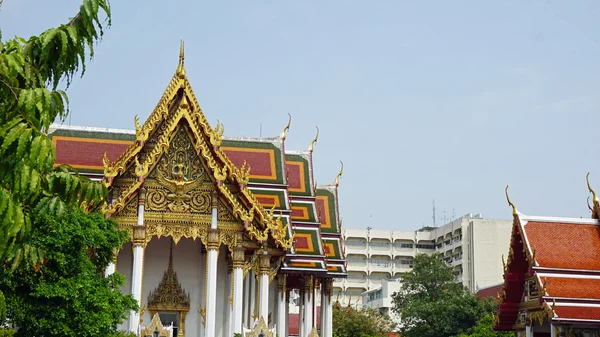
pixel 287 127
pixel 313 333
pixel 339 175
pixel 180 67
pixel 514 209
pixel 314 141
pixel 155 326
pixel 596 209
pixel 264 263
pixel 214 239
pixel 260 329
pixel 139 237
pixel 282 284
pixel 273 272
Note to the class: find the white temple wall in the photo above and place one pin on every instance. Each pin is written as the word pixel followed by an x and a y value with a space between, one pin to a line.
pixel 189 265
pixel 124 267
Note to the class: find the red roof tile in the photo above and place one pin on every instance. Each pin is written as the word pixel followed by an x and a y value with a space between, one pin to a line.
pixel 573 287
pixel 563 245
pixel 87 153
pixel 490 291
pixel 577 312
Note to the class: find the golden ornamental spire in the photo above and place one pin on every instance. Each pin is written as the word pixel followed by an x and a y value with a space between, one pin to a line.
pixel 339 175
pixel 287 127
pixel 180 69
pixel 314 141
pixel 514 209
pixel 596 209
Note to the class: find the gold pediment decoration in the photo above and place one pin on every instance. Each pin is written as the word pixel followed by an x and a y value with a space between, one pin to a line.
pixel 260 329
pixel 154 327
pixel 178 106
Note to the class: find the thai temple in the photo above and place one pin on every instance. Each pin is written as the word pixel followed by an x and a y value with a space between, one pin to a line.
pixel 552 276
pixel 221 228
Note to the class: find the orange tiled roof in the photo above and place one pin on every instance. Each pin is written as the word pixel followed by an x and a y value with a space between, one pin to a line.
pixel 565 245
pixel 573 287
pixel 573 312
pixel 567 254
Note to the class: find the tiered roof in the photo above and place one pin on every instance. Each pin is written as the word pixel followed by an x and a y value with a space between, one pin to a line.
pixel 279 184
pixel 553 271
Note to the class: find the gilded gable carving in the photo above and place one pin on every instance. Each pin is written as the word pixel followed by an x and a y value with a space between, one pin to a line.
pixel 130 210
pixel 179 183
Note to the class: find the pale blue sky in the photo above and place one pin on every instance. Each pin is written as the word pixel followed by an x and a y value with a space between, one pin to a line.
pixel 449 100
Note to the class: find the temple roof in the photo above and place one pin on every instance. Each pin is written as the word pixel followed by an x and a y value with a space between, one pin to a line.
pixel 279 182
pixel 561 256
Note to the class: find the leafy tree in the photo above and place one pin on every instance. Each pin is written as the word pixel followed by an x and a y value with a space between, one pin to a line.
pixel 484 329
pixel 69 296
pixel 365 322
pixel 431 303
pixel 31 72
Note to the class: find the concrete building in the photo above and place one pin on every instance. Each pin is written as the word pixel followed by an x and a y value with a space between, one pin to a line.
pixel 380 298
pixel 472 245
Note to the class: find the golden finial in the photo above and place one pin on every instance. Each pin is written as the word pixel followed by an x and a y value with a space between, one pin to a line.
pixel 180 69
pixel 587 180
pixel 337 178
pixel 314 141
pixel 287 127
pixel 510 202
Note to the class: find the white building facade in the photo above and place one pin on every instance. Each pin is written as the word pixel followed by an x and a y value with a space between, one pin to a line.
pixel 472 245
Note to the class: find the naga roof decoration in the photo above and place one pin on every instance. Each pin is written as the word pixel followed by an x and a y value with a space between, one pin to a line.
pixel 552 272
pixel 271 191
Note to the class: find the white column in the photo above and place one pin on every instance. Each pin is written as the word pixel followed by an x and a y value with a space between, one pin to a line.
pixel 238 287
pixel 112 266
pixel 110 269
pixel 246 309
pixel 301 312
pixel 228 306
pixel 265 268
pixel 211 269
pixel 529 330
pixel 308 305
pixel 553 331
pixel 326 310
pixel 287 314
pixel 281 305
pixel 139 245
pixel 252 308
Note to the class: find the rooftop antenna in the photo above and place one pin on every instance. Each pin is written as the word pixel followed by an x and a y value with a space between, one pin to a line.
pixel 433 217
pixel 260 131
pixel 453 215
pixel 445 219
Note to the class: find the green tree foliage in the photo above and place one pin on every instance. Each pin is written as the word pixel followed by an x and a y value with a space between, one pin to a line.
pixel 4 332
pixel 431 303
pixel 31 71
pixel 365 322
pixel 484 329
pixel 69 296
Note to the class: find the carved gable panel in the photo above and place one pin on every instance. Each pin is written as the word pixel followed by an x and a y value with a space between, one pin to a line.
pixel 179 183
